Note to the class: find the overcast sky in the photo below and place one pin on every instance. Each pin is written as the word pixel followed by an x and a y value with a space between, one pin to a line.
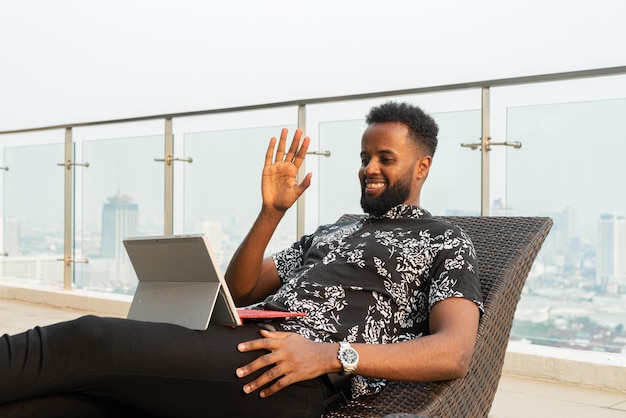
pixel 67 61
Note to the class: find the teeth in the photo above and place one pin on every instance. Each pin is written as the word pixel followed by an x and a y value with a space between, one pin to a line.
pixel 374 185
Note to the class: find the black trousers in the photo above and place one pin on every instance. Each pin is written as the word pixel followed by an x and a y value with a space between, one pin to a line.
pixel 106 367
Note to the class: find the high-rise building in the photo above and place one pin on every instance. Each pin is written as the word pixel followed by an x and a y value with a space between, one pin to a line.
pixel 611 253
pixel 119 221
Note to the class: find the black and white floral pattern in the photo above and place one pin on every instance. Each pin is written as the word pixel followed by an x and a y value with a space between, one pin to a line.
pixel 374 280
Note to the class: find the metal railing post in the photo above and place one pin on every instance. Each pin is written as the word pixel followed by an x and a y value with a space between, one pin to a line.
pixel 68 221
pixel 485 138
pixel 300 205
pixel 168 170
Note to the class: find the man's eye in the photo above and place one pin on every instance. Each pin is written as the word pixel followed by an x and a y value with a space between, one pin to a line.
pixel 364 162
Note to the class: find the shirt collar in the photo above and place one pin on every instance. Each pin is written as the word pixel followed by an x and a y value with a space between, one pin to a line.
pixel 404 211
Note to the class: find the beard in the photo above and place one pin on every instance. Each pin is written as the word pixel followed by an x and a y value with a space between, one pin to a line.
pixel 392 196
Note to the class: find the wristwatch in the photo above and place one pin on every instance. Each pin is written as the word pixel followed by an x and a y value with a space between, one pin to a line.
pixel 348 357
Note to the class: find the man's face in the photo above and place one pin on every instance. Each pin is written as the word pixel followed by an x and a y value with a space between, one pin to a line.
pixel 392 168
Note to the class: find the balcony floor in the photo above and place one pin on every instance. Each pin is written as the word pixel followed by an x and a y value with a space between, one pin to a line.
pixel 516 397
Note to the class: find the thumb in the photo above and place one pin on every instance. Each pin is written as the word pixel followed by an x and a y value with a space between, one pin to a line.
pixel 305 183
pixel 274 334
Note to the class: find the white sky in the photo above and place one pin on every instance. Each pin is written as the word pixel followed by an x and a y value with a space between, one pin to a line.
pixel 68 61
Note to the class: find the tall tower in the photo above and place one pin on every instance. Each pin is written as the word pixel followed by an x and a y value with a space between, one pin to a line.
pixel 119 221
pixel 611 261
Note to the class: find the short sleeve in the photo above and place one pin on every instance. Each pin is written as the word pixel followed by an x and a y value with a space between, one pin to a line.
pixel 291 258
pixel 455 272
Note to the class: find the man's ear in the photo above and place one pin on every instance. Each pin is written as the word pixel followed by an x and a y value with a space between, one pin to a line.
pixel 422 167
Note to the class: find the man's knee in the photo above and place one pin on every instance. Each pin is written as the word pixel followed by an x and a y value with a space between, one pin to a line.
pixel 86 331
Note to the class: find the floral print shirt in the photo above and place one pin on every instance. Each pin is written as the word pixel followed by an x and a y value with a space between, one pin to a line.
pixel 374 280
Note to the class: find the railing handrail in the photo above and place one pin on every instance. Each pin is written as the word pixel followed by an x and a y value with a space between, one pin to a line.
pixel 568 75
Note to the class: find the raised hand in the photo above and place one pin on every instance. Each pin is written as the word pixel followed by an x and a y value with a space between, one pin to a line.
pixel 279 183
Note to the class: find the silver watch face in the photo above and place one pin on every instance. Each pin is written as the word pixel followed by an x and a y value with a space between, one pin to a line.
pixel 349 356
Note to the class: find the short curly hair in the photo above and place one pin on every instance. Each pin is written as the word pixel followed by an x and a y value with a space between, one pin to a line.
pixel 422 127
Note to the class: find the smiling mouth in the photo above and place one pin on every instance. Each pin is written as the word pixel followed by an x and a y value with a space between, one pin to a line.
pixel 373 186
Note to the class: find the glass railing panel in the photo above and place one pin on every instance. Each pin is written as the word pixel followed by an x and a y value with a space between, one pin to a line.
pixel 222 187
pixel 121 195
pixel 453 184
pixel 32 212
pixel 570 168
pixel 339 187
pixel 452 187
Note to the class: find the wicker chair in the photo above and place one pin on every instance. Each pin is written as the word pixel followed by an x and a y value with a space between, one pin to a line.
pixel 506 248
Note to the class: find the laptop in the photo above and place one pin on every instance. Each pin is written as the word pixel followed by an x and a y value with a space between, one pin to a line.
pixel 180 283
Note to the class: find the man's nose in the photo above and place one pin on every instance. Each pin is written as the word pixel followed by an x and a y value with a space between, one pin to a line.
pixel 372 167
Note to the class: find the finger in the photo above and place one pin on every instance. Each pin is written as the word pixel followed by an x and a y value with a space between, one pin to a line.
pixel 257 364
pixel 275 334
pixel 265 343
pixel 271 375
pixel 270 151
pixel 280 152
pixel 252 345
pixel 302 152
pixel 294 145
pixel 281 383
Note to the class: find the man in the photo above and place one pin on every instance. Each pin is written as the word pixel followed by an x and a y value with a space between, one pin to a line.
pixel 398 289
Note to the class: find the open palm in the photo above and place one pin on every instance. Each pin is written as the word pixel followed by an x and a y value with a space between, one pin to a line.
pixel 280 185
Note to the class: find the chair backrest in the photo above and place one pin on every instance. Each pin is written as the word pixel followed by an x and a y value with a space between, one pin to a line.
pixel 506 248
